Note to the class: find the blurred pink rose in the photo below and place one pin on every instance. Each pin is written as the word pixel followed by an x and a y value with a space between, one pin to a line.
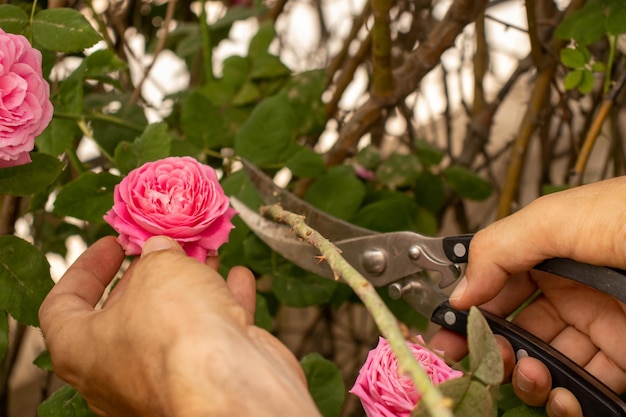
pixel 176 197
pixel 25 108
pixel 384 392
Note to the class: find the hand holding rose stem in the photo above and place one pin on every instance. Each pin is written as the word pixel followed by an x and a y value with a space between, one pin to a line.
pixel 434 401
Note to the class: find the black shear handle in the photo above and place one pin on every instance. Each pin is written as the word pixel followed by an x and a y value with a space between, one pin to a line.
pixel 595 398
pixel 609 280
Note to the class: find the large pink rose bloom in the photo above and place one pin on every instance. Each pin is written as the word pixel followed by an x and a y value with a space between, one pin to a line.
pixel 25 108
pixel 176 197
pixel 383 391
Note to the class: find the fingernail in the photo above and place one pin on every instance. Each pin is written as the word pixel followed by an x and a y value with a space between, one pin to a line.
pixel 557 408
pixel 157 243
pixel 523 382
pixel 459 290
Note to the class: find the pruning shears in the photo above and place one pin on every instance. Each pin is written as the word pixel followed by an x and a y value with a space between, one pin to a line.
pixel 398 260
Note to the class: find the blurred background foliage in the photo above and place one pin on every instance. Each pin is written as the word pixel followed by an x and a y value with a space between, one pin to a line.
pixel 432 116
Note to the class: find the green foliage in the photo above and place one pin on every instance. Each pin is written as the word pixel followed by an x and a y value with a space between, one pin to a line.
pixel 30 178
pixel 325 384
pixel 594 21
pixel 475 393
pixel 63 30
pixel 66 402
pixel 152 145
pixel 24 279
pixel 485 360
pixel 88 197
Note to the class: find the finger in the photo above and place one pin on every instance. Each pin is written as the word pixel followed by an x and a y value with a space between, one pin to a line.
pixel 83 284
pixel 562 403
pixel 532 381
pixel 213 262
pixel 152 245
pixel 453 345
pixel 242 285
pixel 606 369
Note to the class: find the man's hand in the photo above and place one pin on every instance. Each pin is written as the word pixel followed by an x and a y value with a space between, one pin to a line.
pixel 587 224
pixel 172 339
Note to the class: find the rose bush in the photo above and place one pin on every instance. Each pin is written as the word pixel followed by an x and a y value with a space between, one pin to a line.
pixel 384 392
pixel 25 107
pixel 176 197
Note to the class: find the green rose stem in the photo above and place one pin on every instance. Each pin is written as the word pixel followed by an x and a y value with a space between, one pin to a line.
pixel 436 404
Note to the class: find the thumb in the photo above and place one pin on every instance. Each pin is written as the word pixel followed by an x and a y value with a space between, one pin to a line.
pixel 160 243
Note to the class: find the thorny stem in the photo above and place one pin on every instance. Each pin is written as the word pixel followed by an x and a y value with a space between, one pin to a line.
pixel 436 404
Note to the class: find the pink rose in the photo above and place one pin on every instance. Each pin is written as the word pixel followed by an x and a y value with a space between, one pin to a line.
pixel 25 108
pixel 384 392
pixel 176 197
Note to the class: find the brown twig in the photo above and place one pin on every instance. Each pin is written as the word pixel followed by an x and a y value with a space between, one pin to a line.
pixel 594 131
pixel 169 15
pixel 383 82
pixel 408 76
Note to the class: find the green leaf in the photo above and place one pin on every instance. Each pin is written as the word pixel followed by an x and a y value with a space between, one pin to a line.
pixel 24 279
pixel 44 361
pixel 325 384
pixel 304 92
pixel 13 19
pixel 108 135
pixel 295 287
pixel 598 67
pixel 249 93
pixel 88 197
pixel 615 21
pixel 268 66
pixel 58 137
pixel 466 183
pixel 573 79
pixel 202 122
pixel 63 30
pixel 552 188
pixel 486 361
pixel 30 178
pixel 427 153
pixel 526 411
pixel 267 137
pixel 399 170
pixel 573 58
pixel 585 25
pixel 471 399
pixel 368 157
pixel 262 316
pixel 430 191
pixel 306 163
pixel 65 402
pixel 587 83
pixel 396 212
pixel 260 42
pixel 152 145
pixel 4 334
pixel 338 192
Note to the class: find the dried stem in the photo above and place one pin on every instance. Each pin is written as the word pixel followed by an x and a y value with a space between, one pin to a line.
pixel 434 401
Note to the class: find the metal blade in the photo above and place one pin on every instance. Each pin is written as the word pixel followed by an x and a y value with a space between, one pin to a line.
pixel 281 239
pixel 329 226
pixel 381 258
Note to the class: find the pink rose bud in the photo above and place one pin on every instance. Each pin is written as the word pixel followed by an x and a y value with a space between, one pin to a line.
pixel 25 107
pixel 383 391
pixel 176 197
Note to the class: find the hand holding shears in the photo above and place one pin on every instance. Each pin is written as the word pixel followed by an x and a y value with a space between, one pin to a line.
pixel 397 260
